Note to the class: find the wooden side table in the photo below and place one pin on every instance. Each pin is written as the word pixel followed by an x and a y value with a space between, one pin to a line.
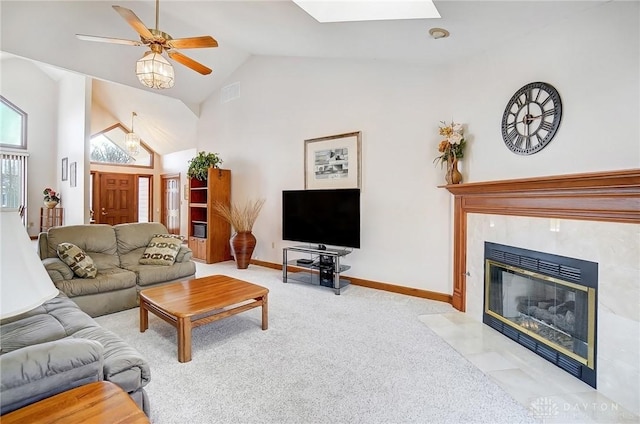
pixel 50 218
pixel 99 402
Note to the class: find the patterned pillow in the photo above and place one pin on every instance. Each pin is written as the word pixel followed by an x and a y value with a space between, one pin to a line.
pixel 81 264
pixel 162 250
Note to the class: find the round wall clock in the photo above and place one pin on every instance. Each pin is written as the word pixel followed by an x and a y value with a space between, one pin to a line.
pixel 531 118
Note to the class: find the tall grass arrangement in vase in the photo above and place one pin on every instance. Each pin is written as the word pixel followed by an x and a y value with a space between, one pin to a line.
pixel 241 217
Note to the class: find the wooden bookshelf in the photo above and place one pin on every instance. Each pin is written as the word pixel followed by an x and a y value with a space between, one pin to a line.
pixel 209 233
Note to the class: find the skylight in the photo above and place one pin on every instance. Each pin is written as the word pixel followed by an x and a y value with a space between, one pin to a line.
pixel 368 10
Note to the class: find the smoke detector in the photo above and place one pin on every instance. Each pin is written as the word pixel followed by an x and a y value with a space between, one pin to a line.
pixel 437 33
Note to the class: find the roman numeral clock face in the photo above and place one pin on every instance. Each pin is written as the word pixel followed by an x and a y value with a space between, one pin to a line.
pixel 531 118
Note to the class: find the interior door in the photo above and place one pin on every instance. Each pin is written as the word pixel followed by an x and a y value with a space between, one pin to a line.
pixel 118 199
pixel 170 212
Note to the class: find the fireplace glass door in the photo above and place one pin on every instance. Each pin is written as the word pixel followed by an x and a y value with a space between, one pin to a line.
pixel 558 313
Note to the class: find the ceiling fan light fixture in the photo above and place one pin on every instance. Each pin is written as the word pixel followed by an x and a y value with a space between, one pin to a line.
pixel 132 140
pixel 154 71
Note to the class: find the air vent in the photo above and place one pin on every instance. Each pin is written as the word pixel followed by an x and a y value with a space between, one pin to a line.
pixel 570 273
pixel 495 324
pixel 549 268
pixel 230 92
pixel 511 258
pixel 570 366
pixel 546 353
pixel 529 263
pixel 497 255
pixel 510 332
pixel 528 342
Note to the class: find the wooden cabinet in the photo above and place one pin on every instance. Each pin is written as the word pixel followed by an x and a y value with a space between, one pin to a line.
pixel 50 218
pixel 199 247
pixel 209 233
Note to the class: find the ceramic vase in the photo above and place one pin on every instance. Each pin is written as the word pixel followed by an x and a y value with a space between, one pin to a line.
pixel 242 245
pixel 453 176
pixel 50 204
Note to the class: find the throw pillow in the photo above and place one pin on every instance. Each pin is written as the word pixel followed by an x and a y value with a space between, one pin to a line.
pixel 80 263
pixel 162 250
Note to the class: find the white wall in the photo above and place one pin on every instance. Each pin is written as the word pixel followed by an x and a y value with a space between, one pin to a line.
pixel 38 99
pixel 74 103
pixel 592 59
pixel 593 62
pixel 101 118
pixel 57 127
pixel 284 101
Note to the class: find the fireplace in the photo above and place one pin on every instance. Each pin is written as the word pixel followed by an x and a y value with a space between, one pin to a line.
pixel 602 210
pixel 545 302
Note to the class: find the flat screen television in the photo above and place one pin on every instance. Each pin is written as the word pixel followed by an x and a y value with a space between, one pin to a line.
pixel 322 217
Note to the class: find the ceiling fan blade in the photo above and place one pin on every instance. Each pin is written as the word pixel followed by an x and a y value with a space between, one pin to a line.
pixel 188 62
pixel 134 21
pixel 108 40
pixel 193 42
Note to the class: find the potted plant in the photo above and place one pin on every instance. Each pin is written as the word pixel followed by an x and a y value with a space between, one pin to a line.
pixel 241 219
pixel 451 149
pixel 199 165
pixel 51 198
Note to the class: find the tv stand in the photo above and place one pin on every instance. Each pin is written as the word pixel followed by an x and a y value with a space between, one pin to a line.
pixel 322 266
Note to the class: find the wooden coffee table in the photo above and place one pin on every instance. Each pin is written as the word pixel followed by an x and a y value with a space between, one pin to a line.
pixel 99 402
pixel 192 303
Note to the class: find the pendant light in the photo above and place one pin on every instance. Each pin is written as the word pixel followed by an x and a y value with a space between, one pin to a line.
pixel 132 140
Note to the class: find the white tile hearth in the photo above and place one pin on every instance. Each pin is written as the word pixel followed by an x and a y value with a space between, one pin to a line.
pixel 616 249
pixel 491 361
pixel 552 395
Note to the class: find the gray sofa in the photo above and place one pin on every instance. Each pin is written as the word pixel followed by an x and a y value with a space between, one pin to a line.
pixel 115 251
pixel 56 347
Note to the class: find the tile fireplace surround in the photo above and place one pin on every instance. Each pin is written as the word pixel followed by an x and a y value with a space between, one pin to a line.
pixel 595 217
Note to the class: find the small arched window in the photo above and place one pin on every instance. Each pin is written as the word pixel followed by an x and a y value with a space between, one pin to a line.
pixel 108 148
pixel 13 131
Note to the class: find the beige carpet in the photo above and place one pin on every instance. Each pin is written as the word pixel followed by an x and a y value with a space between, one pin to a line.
pixel 361 357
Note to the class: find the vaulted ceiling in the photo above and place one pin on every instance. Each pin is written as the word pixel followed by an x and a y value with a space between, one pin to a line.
pixel 45 31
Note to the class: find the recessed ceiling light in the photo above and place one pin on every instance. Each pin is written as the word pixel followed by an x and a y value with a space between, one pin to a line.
pixel 368 10
pixel 438 33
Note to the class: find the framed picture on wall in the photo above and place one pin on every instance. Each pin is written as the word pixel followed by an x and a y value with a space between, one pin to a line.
pixel 333 161
pixel 65 169
pixel 72 174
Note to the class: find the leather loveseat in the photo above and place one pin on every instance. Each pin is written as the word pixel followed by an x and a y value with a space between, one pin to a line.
pixel 116 252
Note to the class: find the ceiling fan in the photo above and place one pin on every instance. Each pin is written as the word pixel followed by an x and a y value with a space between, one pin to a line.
pixel 158 42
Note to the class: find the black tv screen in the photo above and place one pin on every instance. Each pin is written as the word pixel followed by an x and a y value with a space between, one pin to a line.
pixel 322 216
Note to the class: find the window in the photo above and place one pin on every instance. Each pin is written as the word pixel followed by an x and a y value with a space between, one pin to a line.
pixel 14 179
pixel 107 147
pixel 13 131
pixel 144 198
pixel 13 163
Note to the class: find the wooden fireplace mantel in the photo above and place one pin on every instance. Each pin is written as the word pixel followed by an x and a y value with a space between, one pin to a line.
pixel 599 196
